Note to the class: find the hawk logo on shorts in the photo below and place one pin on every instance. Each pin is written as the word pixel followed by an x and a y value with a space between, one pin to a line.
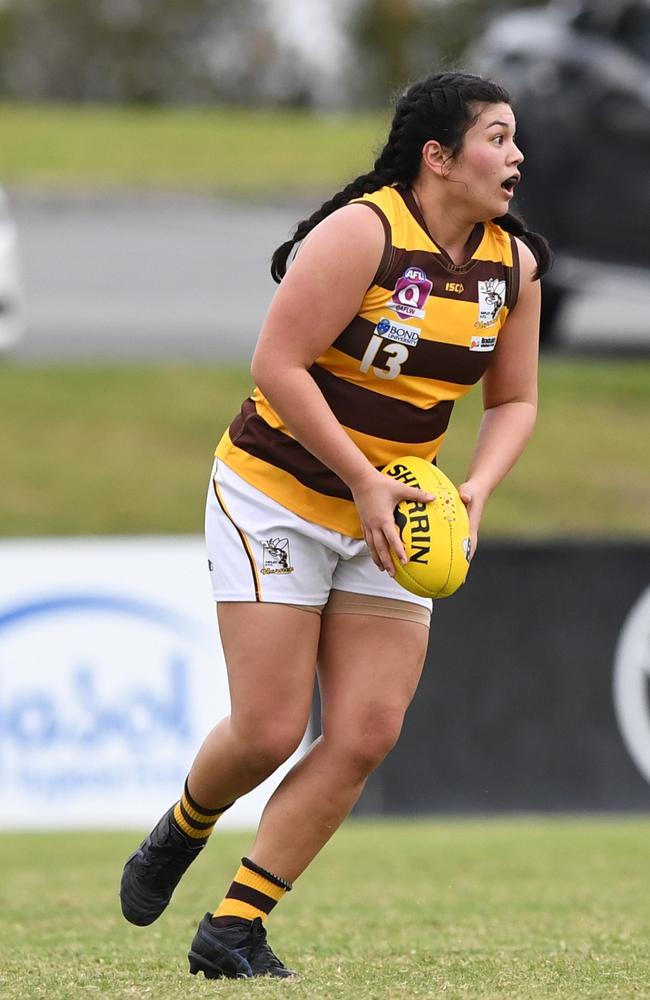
pixel 276 557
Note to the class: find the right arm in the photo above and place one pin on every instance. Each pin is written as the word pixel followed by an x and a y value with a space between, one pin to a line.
pixel 318 297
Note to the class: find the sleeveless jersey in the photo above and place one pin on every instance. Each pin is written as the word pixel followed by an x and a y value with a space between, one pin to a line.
pixel 424 335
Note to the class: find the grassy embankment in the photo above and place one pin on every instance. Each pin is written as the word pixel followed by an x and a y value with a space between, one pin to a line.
pixel 259 154
pixel 127 449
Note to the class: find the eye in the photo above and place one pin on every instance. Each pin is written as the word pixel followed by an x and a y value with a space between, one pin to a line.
pixel 499 139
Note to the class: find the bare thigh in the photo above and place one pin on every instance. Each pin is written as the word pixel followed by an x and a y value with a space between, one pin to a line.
pixel 369 669
pixel 270 652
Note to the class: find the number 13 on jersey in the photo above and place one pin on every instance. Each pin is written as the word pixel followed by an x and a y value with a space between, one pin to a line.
pixel 396 356
pixel 394 339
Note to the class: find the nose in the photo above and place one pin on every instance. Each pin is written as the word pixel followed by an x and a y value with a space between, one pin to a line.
pixel 518 156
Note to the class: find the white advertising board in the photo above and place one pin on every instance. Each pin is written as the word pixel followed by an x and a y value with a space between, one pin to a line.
pixel 111 675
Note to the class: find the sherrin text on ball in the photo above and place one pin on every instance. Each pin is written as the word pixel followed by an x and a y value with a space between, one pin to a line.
pixel 435 535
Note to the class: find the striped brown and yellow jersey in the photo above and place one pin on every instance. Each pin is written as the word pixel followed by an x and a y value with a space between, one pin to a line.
pixel 424 335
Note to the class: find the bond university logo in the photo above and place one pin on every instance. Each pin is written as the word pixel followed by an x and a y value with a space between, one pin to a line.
pixel 275 556
pixel 491 299
pixel 400 333
pixel 632 683
pixel 411 293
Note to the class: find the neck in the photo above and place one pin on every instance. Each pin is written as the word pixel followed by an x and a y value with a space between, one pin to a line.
pixel 446 223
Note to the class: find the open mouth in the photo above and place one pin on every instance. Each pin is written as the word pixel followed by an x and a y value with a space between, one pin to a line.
pixel 510 183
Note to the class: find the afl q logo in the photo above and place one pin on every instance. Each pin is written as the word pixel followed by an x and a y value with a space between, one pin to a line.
pixel 632 683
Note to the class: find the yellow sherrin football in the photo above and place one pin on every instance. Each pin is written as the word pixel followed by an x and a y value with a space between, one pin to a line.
pixel 435 535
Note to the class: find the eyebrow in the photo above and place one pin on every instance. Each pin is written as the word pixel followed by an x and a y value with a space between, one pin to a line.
pixel 504 124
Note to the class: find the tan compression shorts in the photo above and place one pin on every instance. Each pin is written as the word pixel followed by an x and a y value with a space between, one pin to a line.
pixel 342 602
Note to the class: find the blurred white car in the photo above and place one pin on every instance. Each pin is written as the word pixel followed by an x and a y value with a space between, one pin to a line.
pixel 11 294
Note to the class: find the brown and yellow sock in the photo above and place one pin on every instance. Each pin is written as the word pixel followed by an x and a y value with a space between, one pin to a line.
pixel 253 893
pixel 193 820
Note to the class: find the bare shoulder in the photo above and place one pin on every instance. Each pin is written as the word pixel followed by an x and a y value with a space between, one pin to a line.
pixel 356 223
pixel 345 249
pixel 332 271
pixel 527 260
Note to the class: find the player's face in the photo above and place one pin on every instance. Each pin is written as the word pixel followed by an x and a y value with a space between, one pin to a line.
pixel 487 168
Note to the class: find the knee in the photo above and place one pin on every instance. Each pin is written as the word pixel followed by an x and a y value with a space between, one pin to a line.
pixel 366 747
pixel 263 745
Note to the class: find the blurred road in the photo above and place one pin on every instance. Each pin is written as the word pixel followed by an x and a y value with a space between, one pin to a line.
pixel 145 276
pixel 187 277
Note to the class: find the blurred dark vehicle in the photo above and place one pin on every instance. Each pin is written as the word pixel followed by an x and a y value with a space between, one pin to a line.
pixel 579 76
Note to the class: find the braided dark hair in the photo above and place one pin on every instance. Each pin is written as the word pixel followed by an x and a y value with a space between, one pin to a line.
pixel 441 107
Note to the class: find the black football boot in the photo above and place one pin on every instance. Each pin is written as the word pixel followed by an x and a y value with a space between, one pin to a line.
pixel 154 870
pixel 236 951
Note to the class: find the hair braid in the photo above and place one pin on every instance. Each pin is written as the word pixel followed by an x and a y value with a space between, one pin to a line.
pixel 538 244
pixel 364 184
pixel 440 107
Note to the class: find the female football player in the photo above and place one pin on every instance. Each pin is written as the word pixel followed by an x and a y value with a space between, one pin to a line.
pixel 410 285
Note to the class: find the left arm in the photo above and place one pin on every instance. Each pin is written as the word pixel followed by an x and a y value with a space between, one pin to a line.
pixel 509 397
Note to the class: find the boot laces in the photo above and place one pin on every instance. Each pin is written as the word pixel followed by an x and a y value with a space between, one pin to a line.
pixel 165 858
pixel 259 950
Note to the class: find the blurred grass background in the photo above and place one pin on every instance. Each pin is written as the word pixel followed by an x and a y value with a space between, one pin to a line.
pixel 244 153
pixel 127 449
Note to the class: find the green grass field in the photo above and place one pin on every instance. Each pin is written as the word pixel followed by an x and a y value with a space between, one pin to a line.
pixel 261 154
pixel 121 449
pixel 492 909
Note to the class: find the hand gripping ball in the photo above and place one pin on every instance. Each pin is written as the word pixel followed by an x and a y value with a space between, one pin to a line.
pixel 435 535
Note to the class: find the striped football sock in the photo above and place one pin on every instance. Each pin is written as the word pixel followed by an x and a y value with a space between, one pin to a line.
pixel 253 893
pixel 193 820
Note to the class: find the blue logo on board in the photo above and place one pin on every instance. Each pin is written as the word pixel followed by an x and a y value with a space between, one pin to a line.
pixel 90 684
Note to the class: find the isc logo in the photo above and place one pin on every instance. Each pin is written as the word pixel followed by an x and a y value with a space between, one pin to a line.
pixel 454 286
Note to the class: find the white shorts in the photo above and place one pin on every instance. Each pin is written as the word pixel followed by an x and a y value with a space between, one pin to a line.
pixel 261 551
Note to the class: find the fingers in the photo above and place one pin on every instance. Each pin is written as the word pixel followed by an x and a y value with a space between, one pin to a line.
pixel 373 551
pixel 413 493
pixel 410 494
pixel 384 537
pixel 474 511
pixel 380 541
pixel 390 540
pixel 420 495
pixel 380 531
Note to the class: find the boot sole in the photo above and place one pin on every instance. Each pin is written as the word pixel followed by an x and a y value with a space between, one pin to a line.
pixel 198 963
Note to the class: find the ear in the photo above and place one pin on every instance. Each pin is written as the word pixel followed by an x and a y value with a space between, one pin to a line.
pixel 435 157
